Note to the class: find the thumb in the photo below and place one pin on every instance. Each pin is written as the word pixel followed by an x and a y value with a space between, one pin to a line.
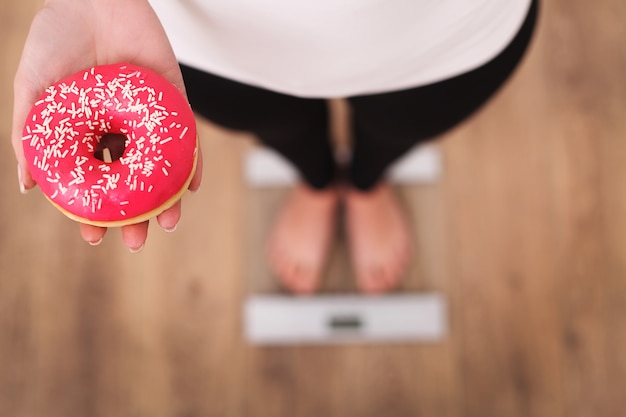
pixel 25 93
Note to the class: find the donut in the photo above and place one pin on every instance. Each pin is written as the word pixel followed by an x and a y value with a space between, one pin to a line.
pixel 111 145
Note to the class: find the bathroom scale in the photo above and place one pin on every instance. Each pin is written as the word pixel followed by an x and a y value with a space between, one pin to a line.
pixel 338 314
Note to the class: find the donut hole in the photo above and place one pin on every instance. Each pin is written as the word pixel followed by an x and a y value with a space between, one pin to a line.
pixel 110 147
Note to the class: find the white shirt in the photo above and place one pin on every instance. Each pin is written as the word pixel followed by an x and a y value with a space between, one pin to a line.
pixel 338 48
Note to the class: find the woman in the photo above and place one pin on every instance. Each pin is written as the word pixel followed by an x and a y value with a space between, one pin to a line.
pixel 409 69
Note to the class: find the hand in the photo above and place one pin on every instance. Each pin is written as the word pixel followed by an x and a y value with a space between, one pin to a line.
pixel 67 36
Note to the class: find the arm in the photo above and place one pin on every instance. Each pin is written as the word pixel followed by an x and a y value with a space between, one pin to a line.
pixel 69 35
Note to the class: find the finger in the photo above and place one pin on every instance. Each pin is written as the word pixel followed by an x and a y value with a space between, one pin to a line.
pixel 134 236
pixel 197 175
pixel 25 94
pixel 92 234
pixel 169 219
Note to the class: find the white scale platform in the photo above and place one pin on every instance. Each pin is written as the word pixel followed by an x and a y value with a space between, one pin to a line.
pixel 265 168
pixel 275 320
pixel 340 319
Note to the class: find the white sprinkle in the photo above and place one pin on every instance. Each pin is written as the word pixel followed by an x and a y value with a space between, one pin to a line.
pixel 122 212
pixel 78 178
pixel 123 203
pixel 184 132
pixel 165 171
pixel 106 155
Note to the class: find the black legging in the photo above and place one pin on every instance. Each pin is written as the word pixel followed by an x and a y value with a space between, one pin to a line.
pixel 384 125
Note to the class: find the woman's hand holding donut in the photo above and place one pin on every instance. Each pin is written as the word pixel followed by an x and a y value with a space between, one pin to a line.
pixel 69 35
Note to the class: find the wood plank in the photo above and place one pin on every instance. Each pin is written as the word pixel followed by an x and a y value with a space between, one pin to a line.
pixel 501 218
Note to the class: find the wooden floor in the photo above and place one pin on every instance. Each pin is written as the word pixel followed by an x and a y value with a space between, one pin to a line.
pixel 525 234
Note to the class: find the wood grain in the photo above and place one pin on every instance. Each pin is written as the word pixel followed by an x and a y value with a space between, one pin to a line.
pixel 525 234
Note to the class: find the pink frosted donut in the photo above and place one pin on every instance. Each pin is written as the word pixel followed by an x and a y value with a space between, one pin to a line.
pixel 111 145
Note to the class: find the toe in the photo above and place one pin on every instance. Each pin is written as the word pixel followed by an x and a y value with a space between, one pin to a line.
pixel 306 281
pixel 279 266
pixel 372 280
pixel 302 278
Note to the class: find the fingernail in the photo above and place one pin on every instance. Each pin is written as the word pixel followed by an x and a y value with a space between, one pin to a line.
pixel 23 189
pixel 171 229
pixel 96 242
pixel 136 250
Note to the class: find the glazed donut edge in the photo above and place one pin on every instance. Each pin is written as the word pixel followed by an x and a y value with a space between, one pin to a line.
pixel 138 219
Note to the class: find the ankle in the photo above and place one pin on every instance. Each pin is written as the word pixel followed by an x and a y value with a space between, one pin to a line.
pixel 327 194
pixel 353 195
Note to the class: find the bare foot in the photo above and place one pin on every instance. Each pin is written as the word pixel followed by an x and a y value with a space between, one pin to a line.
pixel 379 237
pixel 301 237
